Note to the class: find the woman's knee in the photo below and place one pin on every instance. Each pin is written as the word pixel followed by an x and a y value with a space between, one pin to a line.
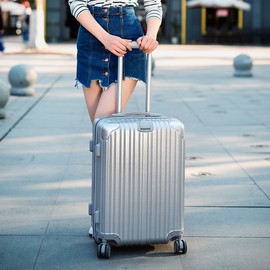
pixel 107 102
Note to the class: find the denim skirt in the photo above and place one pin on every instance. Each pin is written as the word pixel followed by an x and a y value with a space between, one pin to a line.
pixel 95 63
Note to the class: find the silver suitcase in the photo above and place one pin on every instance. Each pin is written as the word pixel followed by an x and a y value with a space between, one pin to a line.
pixel 137 178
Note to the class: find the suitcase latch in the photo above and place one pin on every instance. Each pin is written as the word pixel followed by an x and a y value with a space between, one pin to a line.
pixel 145 126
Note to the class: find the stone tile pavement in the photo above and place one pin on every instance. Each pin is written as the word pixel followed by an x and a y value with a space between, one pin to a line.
pixel 45 167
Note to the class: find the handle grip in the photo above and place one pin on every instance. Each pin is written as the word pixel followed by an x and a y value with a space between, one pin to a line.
pixel 134 45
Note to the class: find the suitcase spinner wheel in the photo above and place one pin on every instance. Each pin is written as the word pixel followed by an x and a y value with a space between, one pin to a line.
pixel 180 247
pixel 104 251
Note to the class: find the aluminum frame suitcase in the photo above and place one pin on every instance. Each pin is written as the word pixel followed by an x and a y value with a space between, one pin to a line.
pixel 138 166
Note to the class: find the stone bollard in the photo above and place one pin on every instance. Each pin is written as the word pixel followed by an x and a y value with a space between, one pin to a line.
pixel 242 66
pixel 4 96
pixel 22 79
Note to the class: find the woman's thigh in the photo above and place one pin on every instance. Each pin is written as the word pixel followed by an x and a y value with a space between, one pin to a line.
pixel 107 102
pixel 92 96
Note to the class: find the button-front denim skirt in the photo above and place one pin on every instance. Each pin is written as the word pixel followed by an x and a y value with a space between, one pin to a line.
pixel 95 63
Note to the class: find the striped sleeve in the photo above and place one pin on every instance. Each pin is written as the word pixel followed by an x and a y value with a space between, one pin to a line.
pixel 77 6
pixel 153 9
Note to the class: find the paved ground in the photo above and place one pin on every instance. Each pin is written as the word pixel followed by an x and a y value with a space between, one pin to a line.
pixel 46 167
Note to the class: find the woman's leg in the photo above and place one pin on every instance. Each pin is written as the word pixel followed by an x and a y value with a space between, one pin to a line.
pixel 92 96
pixel 107 102
pixel 103 103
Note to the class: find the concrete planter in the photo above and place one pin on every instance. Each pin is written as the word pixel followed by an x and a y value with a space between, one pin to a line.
pixel 242 66
pixel 22 79
pixel 4 96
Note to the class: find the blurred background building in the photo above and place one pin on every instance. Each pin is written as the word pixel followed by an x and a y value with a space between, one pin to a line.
pixel 181 24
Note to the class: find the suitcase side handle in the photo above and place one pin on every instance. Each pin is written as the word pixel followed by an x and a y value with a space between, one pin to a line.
pixel 133 45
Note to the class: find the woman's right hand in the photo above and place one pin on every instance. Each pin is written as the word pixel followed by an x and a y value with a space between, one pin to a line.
pixel 116 45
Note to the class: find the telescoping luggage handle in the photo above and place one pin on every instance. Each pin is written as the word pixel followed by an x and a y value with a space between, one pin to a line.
pixel 133 45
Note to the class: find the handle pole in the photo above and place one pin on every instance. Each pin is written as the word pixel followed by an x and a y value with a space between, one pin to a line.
pixel 148 82
pixel 133 45
pixel 119 85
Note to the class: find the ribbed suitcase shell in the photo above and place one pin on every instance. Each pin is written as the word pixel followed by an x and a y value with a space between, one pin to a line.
pixel 138 180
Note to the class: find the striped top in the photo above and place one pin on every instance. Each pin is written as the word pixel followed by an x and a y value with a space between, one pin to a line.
pixel 153 8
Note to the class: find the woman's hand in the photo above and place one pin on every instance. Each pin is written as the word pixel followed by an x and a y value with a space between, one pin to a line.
pixel 147 43
pixel 116 45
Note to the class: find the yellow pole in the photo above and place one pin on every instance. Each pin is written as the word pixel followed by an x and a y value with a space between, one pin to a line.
pixel 184 22
pixel 203 21
pixel 240 18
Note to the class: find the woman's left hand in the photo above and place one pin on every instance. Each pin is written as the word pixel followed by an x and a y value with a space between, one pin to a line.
pixel 147 43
